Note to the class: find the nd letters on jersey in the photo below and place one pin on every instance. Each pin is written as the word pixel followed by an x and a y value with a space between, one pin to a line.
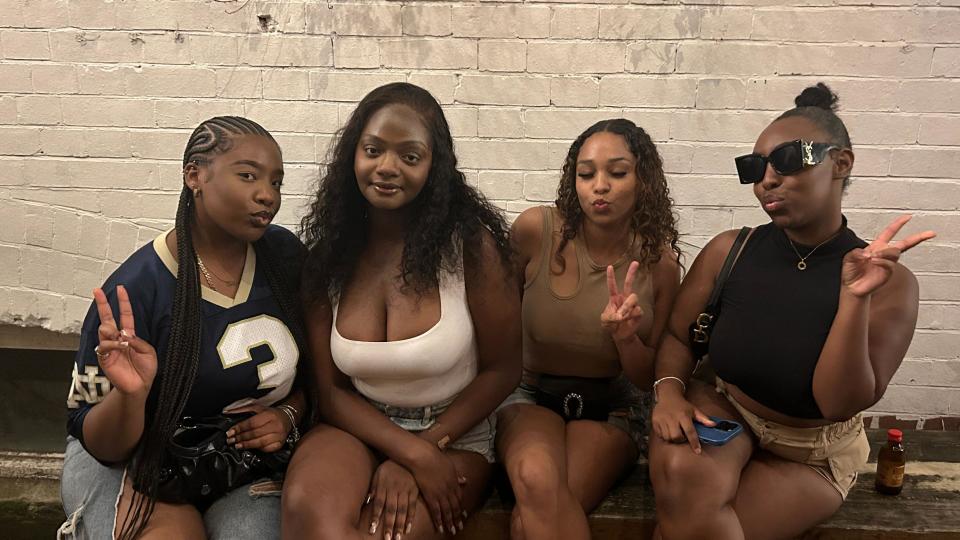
pixel 247 351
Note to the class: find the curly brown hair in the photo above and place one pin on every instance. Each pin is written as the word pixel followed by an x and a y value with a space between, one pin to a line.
pixel 653 221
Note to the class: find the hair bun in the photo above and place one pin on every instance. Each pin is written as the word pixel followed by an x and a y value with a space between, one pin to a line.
pixel 817 96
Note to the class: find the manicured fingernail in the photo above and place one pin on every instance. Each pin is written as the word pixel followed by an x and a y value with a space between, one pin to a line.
pixel 441 528
pixel 464 513
pixel 387 536
pixel 409 528
pixel 230 433
pixel 124 344
pixel 124 333
pixel 460 524
pixel 373 528
pixel 231 440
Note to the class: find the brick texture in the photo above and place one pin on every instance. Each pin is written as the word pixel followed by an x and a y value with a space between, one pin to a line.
pixel 98 97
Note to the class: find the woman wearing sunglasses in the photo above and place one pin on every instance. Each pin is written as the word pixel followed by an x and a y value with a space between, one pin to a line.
pixel 813 324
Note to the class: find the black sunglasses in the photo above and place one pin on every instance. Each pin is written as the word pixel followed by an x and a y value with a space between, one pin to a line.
pixel 787 158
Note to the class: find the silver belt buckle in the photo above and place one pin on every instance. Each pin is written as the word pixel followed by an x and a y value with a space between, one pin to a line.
pixel 566 405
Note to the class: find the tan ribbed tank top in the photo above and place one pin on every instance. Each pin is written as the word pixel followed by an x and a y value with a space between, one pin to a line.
pixel 562 334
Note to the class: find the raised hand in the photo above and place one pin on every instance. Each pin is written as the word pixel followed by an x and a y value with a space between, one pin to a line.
pixel 865 270
pixel 621 317
pixel 129 362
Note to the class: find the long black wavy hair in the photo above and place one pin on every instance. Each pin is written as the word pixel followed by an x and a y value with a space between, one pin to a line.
pixel 177 370
pixel 446 210
pixel 652 222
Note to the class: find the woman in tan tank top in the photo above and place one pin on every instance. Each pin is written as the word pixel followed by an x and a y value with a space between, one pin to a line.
pixel 601 269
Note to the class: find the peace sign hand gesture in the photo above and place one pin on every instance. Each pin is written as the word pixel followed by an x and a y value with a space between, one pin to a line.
pixel 129 362
pixel 866 270
pixel 621 317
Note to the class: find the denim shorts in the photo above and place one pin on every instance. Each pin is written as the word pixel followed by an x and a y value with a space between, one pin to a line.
pixel 413 419
pixel 90 491
pixel 629 414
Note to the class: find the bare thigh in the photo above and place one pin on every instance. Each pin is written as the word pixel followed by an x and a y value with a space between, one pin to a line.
pixel 326 484
pixel 782 499
pixel 598 453
pixel 167 521
pixel 676 470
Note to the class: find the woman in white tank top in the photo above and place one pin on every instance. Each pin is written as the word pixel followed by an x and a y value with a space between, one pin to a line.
pixel 413 319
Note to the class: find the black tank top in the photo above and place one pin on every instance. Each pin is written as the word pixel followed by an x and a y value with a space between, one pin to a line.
pixel 774 318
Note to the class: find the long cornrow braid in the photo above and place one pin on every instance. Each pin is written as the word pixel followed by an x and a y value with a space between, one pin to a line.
pixel 652 221
pixel 178 370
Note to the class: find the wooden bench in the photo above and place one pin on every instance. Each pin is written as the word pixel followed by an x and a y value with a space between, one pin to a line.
pixel 929 506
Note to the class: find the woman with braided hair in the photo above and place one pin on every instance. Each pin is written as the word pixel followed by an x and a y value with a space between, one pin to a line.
pixel 601 269
pixel 201 322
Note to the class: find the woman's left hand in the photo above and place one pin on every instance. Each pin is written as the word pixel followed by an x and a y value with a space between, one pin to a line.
pixel 267 430
pixel 866 270
pixel 621 317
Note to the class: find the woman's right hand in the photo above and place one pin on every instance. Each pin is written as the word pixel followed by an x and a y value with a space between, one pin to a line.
pixel 129 362
pixel 673 418
pixel 393 494
pixel 441 487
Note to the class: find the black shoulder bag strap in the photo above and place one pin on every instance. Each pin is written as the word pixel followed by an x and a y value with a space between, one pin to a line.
pixel 700 328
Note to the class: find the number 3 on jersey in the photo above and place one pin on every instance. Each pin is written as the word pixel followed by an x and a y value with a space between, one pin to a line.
pixel 241 337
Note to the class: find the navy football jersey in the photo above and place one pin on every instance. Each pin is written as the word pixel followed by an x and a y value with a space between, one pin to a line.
pixel 247 350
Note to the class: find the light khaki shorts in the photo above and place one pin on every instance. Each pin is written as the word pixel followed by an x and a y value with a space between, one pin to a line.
pixel 835 451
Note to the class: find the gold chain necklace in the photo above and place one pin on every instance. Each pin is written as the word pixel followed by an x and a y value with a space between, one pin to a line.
pixel 208 278
pixel 802 264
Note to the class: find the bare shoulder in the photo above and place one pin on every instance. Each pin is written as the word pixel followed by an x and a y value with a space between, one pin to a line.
pixel 668 263
pixel 485 260
pixel 716 250
pixel 527 230
pixel 489 279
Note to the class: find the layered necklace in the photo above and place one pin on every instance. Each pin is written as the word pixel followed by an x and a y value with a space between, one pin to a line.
pixel 209 278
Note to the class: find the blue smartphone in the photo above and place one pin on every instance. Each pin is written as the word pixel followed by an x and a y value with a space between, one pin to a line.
pixel 720 434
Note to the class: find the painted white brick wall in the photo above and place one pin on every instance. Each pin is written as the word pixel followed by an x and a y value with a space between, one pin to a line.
pixel 97 99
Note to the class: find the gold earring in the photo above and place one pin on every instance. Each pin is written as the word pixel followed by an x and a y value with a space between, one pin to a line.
pixel 196 192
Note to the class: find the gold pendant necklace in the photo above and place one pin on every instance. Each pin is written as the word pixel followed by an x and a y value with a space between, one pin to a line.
pixel 802 264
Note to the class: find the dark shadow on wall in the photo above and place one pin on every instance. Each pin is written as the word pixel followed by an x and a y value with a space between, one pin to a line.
pixel 33 397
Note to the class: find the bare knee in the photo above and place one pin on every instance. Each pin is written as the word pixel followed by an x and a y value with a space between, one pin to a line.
pixel 311 511
pixel 682 479
pixel 536 479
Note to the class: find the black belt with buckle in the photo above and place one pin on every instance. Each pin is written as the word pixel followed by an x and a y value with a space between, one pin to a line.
pixel 575 398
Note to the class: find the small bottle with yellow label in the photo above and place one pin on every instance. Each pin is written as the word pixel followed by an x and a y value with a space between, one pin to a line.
pixel 891 463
